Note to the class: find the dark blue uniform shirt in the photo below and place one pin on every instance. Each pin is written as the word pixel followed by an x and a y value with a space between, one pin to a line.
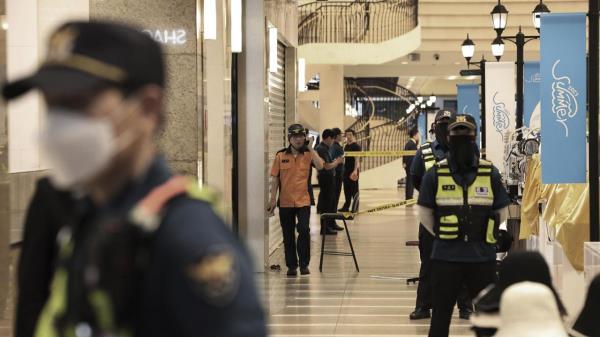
pixel 200 279
pixel 417 168
pixel 336 150
pixel 460 251
pixel 324 152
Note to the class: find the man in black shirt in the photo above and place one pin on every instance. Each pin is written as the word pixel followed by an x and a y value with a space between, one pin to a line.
pixel 326 178
pixel 337 151
pixel 411 145
pixel 351 169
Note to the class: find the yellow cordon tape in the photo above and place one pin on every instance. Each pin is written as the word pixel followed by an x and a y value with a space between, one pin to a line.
pixel 384 207
pixel 379 153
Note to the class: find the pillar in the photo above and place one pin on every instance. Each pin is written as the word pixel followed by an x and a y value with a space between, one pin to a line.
pixel 173 24
pixel 330 96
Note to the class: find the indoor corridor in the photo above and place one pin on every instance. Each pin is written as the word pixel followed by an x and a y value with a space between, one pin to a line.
pixel 341 302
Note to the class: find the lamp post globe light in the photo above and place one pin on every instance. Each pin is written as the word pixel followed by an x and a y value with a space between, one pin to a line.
pixel 498 47
pixel 468 48
pixel 540 9
pixel 499 17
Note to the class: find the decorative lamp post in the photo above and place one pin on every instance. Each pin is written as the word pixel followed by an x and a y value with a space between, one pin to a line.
pixel 468 50
pixel 499 20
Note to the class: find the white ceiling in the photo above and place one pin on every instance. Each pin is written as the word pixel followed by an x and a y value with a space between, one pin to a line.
pixel 445 24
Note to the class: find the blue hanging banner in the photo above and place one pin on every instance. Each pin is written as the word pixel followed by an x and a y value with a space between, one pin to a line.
pixel 532 80
pixel 422 122
pixel 468 103
pixel 563 98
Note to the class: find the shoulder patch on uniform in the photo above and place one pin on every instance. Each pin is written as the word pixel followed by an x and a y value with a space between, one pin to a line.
pixel 216 276
pixel 285 160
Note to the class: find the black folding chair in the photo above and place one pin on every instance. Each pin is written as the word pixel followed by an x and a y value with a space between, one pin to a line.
pixel 344 217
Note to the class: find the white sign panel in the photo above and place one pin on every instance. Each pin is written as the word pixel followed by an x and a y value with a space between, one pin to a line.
pixel 500 110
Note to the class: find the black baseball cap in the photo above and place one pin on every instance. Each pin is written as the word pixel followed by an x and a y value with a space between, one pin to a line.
pixel 296 129
pixel 444 114
pixel 464 122
pixel 86 55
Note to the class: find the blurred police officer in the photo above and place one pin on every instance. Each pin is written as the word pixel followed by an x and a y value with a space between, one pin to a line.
pixel 145 254
pixel 290 175
pixel 462 202
pixel 326 177
pixel 337 151
pixel 426 157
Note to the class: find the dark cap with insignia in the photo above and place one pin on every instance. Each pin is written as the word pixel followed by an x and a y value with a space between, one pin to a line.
pixel 88 55
pixel 444 115
pixel 462 125
pixel 296 129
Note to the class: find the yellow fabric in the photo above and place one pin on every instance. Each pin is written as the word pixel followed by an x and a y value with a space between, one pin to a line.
pixel 448 192
pixel 489 238
pixel 55 306
pixel 103 308
pixel 479 183
pixel 451 194
pixel 429 163
pixel 207 195
pixel 449 219
pixel 532 192
pixel 567 210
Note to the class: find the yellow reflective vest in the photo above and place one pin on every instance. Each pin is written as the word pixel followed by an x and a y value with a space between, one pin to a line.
pixel 428 157
pixel 465 212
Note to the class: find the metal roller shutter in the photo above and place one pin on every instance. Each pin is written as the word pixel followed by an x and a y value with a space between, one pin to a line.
pixel 277 133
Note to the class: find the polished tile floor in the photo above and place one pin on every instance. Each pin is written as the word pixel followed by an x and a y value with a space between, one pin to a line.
pixel 342 302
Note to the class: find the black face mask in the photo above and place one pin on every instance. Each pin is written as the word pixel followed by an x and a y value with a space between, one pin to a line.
pixel 441 133
pixel 462 151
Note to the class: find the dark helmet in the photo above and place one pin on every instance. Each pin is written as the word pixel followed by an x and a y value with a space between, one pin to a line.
pixel 296 129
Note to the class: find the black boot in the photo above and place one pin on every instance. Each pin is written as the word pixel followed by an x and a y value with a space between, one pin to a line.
pixel 420 313
pixel 465 313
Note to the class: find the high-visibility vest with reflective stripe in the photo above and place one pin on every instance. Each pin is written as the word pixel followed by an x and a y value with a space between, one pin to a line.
pixel 53 320
pixel 465 214
pixel 427 155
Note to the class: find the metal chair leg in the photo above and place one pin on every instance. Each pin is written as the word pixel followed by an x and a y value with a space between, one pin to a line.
pixel 351 246
pixel 324 235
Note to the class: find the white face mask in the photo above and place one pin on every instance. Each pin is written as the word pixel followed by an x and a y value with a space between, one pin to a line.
pixel 77 147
